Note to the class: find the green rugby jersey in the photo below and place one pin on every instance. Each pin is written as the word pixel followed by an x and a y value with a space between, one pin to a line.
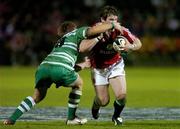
pixel 66 50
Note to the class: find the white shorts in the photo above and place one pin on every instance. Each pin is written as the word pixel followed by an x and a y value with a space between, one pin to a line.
pixel 101 76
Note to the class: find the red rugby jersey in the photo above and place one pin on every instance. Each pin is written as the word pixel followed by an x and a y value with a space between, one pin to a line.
pixel 103 55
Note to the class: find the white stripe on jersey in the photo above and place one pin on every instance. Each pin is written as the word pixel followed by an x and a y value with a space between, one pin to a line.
pixel 58 63
pixel 71 43
pixel 72 47
pixel 66 55
pixel 62 57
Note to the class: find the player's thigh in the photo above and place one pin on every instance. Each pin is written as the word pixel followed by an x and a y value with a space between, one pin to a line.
pixel 99 77
pixel 78 83
pixel 42 78
pixel 118 85
pixel 62 76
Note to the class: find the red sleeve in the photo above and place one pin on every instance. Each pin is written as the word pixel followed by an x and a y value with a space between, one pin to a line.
pixel 130 37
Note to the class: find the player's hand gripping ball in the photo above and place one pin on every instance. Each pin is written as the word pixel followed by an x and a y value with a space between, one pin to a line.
pixel 119 43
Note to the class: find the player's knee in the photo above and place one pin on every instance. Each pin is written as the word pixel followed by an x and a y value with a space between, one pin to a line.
pixel 104 101
pixel 37 99
pixel 121 96
pixel 39 94
pixel 78 84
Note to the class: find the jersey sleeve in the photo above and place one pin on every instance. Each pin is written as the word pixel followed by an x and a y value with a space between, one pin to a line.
pixel 81 32
pixel 130 37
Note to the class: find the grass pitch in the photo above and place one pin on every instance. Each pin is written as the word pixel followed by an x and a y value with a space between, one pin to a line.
pixel 146 87
pixel 95 124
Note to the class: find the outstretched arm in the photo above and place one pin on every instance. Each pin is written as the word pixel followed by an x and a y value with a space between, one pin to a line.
pixel 86 45
pixel 92 31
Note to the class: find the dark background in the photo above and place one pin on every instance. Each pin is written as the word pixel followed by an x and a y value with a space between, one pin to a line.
pixel 28 29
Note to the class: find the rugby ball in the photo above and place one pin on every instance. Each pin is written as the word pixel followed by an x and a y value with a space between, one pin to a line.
pixel 119 43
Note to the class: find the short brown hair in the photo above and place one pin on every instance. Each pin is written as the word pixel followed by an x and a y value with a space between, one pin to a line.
pixel 66 27
pixel 107 11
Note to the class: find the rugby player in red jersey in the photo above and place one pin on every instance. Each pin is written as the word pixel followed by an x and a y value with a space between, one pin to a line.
pixel 108 65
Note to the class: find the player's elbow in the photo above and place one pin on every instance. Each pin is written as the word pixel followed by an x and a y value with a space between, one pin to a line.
pixel 137 44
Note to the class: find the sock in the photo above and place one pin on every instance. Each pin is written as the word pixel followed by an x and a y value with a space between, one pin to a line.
pixel 118 107
pixel 74 99
pixel 96 103
pixel 25 106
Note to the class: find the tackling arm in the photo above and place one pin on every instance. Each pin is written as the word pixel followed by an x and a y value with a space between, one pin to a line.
pixel 100 28
pixel 87 44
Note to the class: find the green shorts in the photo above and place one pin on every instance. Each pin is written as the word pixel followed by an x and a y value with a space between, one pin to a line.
pixel 47 74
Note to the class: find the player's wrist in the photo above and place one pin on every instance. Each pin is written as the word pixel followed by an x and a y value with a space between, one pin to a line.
pixel 78 68
pixel 113 26
pixel 98 39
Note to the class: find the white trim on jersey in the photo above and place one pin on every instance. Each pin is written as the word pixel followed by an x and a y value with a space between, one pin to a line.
pixel 84 33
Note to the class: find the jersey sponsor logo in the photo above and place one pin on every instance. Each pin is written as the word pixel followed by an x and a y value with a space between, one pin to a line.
pixel 106 52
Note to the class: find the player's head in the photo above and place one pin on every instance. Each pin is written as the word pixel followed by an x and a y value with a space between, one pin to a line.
pixel 109 14
pixel 66 27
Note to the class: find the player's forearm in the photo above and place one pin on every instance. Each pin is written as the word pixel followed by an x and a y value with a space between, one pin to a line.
pixel 101 28
pixel 87 45
pixel 136 44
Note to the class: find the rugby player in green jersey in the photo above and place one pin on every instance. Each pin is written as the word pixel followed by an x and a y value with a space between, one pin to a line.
pixel 58 68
